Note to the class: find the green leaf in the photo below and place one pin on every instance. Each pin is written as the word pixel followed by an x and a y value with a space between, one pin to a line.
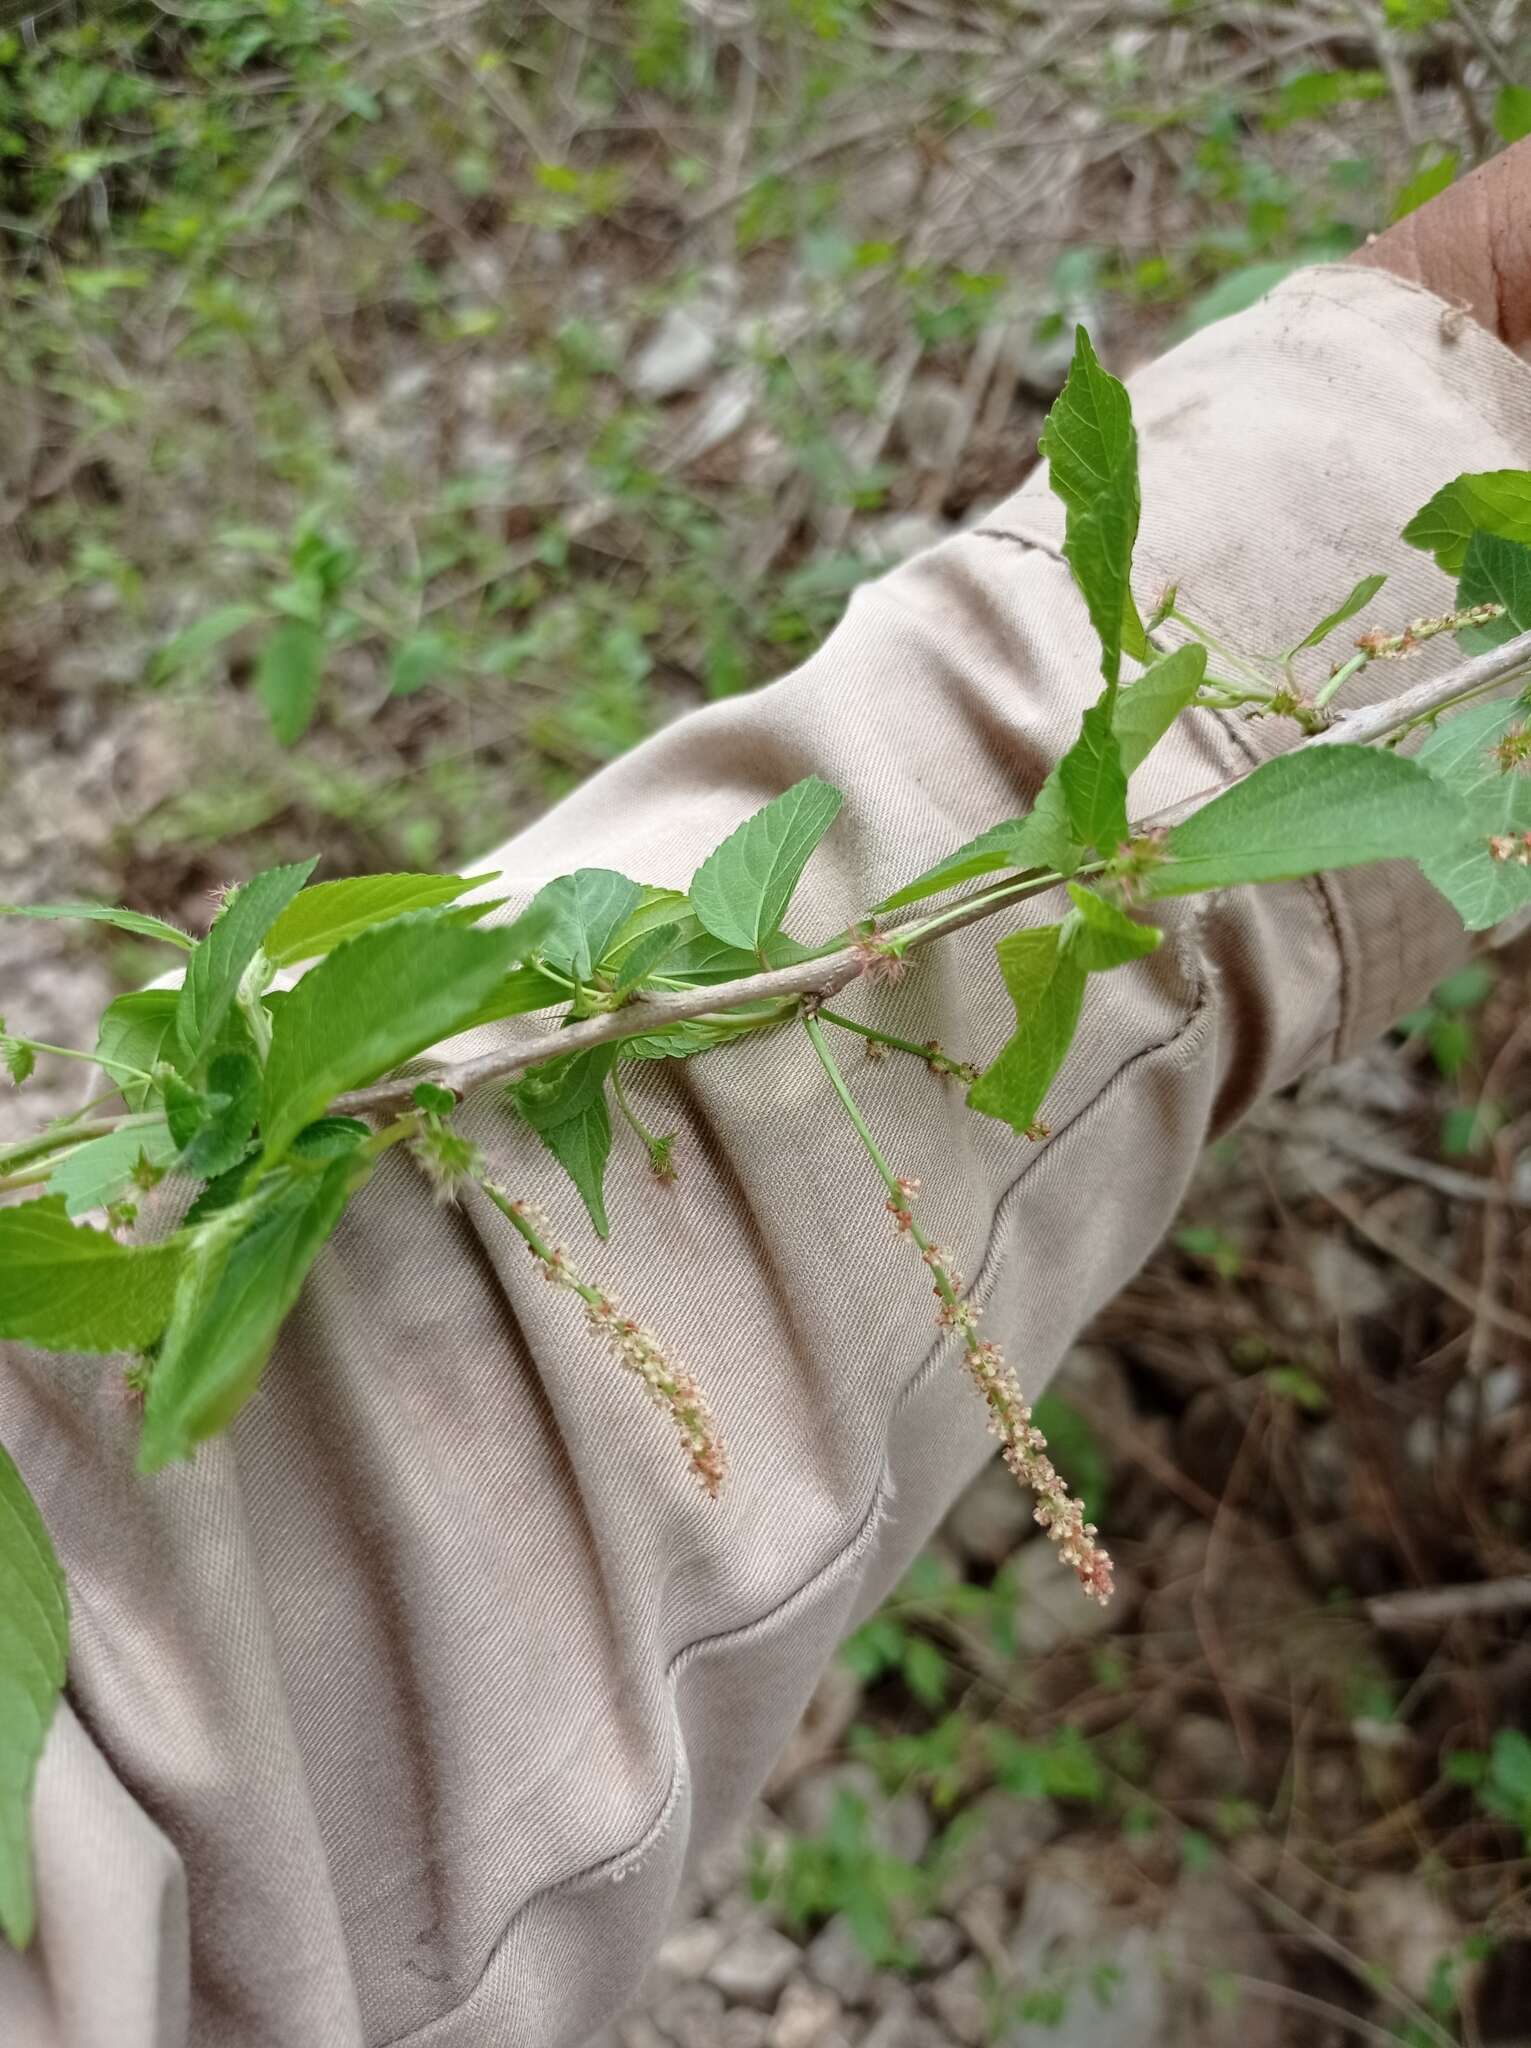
pixel 321 916
pixel 1512 112
pixel 1094 782
pixel 655 907
pixel 241 1276
pixel 1042 839
pixel 695 958
pixel 1145 710
pixel 1237 291
pixel 1425 185
pixel 581 1145
pixel 1357 601
pixel 573 919
pixel 1047 987
pixel 1312 93
pixel 134 921
pixel 701 961
pixel 642 959
pixel 1002 846
pixel 187 650
pixel 565 1104
pixel 17 1057
pixel 133 1032
pixel 1496 801
pixel 216 968
pixel 518 993
pixel 287 677
pixel 1317 808
pixel 1495 571
pixel 1487 501
pixel 741 891
pixel 1099 936
pixel 220 1135
pixel 562 1089
pixel 34 1648
pixel 329 1137
pixel 417 661
pixel 1510 1769
pixel 702 1034
pixel 1092 454
pixel 64 1287
pixel 376 1000
pixel 106 1170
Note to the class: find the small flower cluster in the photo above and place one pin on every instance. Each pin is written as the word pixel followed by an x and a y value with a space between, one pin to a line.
pixel 1397 646
pixel 670 1385
pixel 1513 749
pixel 940 1063
pixel 1137 858
pixel 447 1157
pixel 1511 846
pixel 876 959
pixel 1023 1446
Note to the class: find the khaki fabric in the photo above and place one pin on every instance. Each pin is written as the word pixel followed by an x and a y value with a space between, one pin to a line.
pixel 396 1718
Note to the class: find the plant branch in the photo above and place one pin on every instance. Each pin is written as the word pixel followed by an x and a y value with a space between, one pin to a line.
pixel 825 975
pixel 834 969
pixel 1425 700
pixel 60 1136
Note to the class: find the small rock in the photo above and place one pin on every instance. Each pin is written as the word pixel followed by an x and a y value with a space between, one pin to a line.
pixel 992 1518
pixel 1043 360
pixel 1202 1759
pixel 930 421
pixel 639 2031
pixel 898 1827
pixel 742 2028
pixel 884 188
pixel 725 1867
pixel 960 2000
pixel 691 2016
pixel 718 417
pixel 902 1828
pixel 901 2026
pixel 810 1805
pixel 754 1966
pixel 1116 1998
pixel 1402 1928
pixel 676 357
pixel 1346 1282
pixel 1428 1438
pixel 1066 1904
pixel 805 2018
pixel 686 1951
pixel 837 1960
pixel 1050 1608
pixel 984 1914
pixel 936 1943
pixel 1094 1381
pixel 1210 1931
pixel 990 1842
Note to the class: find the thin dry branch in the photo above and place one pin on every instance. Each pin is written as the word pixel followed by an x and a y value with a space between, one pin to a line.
pixel 826 976
pixel 1430 1606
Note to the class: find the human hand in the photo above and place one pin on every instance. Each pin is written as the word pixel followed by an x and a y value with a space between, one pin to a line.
pixel 1472 245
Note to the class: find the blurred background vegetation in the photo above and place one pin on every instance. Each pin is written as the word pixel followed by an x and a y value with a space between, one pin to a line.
pixel 408 407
